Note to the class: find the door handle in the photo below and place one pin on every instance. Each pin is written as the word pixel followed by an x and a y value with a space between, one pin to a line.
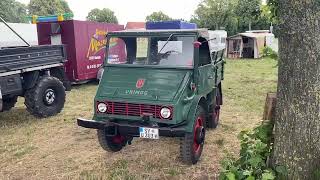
pixel 210 77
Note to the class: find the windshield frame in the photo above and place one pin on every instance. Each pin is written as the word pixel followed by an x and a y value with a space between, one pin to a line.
pixel 149 36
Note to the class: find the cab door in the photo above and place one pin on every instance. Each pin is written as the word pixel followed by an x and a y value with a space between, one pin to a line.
pixel 206 70
pixel 218 66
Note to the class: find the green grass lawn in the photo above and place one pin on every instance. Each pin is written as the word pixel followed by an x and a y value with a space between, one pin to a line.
pixel 55 148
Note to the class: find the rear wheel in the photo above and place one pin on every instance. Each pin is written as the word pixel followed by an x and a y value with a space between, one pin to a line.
pixel 214 112
pixel 191 145
pixel 46 98
pixel 9 103
pixel 111 143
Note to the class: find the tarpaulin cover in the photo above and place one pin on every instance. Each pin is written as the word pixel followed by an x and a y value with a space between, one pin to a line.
pixel 170 25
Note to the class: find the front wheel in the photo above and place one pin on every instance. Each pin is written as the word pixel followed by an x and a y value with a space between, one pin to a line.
pixel 9 103
pixel 111 143
pixel 191 145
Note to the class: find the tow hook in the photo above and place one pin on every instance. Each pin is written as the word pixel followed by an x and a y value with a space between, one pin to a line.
pixel 129 138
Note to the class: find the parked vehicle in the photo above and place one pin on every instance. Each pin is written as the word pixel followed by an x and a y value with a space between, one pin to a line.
pixel 36 73
pixel 164 83
pixel 85 43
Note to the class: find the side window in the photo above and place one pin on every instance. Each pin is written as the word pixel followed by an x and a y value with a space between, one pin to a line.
pixel 204 52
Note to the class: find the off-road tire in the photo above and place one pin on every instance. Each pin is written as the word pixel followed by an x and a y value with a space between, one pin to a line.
pixel 106 142
pixel 211 123
pixel 35 97
pixel 187 153
pixel 9 103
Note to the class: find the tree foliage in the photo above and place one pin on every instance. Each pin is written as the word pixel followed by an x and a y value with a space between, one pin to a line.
pixel 158 16
pixel 13 11
pixel 214 14
pixel 45 7
pixel 102 15
pixel 233 15
pixel 273 6
pixel 248 11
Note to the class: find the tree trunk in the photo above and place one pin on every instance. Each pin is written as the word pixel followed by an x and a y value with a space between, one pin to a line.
pixel 269 108
pixel 297 126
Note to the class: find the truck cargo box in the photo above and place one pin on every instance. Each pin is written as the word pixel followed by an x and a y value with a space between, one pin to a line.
pixel 85 43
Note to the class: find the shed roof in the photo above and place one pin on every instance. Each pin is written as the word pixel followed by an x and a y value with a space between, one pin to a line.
pixel 250 34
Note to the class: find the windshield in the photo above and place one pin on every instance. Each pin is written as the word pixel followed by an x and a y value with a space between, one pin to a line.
pixel 167 51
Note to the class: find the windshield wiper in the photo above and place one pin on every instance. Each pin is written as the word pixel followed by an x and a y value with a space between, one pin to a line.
pixel 165 44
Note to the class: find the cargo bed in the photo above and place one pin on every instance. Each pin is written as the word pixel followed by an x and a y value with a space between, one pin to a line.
pixel 24 59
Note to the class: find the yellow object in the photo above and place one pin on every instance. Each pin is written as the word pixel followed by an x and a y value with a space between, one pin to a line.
pixel 60 17
pixel 34 19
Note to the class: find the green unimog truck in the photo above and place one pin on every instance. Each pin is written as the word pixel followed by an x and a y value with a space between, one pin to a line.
pixel 162 83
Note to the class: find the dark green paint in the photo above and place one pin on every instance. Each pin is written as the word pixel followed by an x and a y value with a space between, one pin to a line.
pixel 164 86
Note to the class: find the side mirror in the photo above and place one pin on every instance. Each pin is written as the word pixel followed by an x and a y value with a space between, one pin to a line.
pixel 197 44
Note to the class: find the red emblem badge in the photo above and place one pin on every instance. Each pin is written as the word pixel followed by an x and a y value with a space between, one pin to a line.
pixel 140 83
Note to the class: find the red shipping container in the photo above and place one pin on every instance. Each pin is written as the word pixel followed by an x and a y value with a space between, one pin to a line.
pixel 85 43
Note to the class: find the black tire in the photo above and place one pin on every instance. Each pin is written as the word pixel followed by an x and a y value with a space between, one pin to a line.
pixel 9 103
pixel 214 112
pixel 190 146
pixel 111 143
pixel 46 98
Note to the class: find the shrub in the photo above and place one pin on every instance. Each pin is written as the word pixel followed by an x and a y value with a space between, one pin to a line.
pixel 269 52
pixel 256 146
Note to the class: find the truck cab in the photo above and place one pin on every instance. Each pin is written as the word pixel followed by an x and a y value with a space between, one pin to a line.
pixel 160 83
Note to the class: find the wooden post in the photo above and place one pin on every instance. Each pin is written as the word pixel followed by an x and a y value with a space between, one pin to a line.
pixel 270 106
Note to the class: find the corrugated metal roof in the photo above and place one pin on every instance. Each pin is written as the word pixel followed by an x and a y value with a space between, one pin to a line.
pixel 26 31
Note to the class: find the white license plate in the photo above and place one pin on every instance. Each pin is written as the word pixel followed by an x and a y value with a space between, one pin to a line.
pixel 149 133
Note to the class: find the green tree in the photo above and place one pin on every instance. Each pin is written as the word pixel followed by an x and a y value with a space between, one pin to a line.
pixel 102 15
pixel 45 7
pixel 248 11
pixel 13 11
pixel 297 122
pixel 215 14
pixel 158 16
pixel 273 7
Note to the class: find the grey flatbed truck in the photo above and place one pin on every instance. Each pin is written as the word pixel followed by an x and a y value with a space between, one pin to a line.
pixel 35 73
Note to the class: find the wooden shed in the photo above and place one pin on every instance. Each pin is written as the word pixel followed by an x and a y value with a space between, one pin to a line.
pixel 248 45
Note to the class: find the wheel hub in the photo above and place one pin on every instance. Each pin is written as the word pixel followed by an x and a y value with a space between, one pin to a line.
pixel 49 97
pixel 200 135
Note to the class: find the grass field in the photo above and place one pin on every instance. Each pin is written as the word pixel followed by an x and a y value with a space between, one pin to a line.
pixel 55 148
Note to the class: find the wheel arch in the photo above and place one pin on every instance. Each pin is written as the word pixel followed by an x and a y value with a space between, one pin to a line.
pixel 198 100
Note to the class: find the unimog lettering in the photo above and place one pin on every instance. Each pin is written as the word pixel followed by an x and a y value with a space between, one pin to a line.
pixel 186 97
pixel 136 92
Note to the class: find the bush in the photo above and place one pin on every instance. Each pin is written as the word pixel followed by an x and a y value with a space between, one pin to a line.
pixel 256 146
pixel 269 52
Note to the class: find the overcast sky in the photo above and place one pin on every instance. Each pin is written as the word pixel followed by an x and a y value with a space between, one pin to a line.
pixel 133 10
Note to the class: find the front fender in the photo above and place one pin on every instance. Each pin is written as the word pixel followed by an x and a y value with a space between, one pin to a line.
pixel 192 113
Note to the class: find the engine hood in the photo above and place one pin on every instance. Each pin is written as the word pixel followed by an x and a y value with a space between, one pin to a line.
pixel 142 83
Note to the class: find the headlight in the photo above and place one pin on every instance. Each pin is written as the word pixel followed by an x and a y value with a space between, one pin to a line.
pixel 165 113
pixel 102 107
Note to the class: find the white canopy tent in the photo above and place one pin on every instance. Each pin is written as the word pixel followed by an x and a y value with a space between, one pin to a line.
pixel 26 31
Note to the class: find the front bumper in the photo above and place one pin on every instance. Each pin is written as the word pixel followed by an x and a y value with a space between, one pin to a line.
pixel 131 129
